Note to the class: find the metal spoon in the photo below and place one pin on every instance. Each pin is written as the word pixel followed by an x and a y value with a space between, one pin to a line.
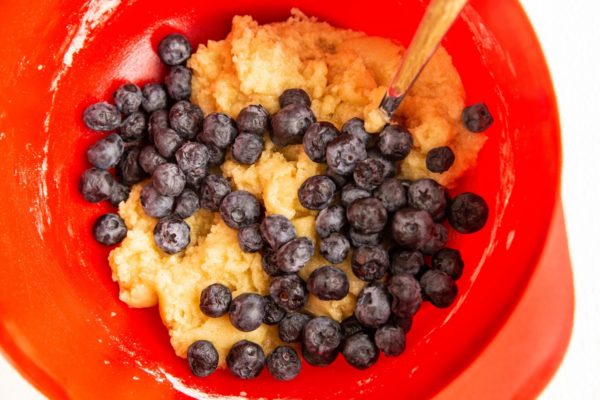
pixel 438 18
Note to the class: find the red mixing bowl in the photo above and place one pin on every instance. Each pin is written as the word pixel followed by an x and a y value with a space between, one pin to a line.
pixel 62 324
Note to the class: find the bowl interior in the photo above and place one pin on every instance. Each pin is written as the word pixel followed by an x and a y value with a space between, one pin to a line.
pixel 61 321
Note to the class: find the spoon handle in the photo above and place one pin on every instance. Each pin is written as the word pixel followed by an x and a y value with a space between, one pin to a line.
pixel 438 18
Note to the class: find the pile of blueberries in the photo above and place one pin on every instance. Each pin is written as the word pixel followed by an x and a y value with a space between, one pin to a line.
pixel 393 226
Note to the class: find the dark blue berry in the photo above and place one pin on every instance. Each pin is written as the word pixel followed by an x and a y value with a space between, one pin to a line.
pixel 330 220
pixel 277 230
pixel 344 153
pixel 360 351
pixel 133 127
pixel 192 159
pixel 273 313
pixel 369 174
pixel 96 185
pixel 370 263
pixel 172 235
pixel 253 119
pixel 283 363
pixel 129 169
pixel 405 261
pixel 167 142
pixel 351 193
pixel 395 142
pixel 239 209
pixel 358 239
pixel 439 159
pixel 392 194
pixel 405 322
pixel 288 291
pixel 317 137
pixel 290 123
pixel 439 238
pixel 316 192
pixel 291 327
pixel 186 204
pixel 356 127
pixel 212 191
pixel 406 295
pixel 174 49
pixel 328 283
pixel 412 228
pixel 215 300
pixel 449 261
pixel 247 311
pixel 350 326
pixel 219 130
pixel 294 255
pixel 439 288
pixel 249 239
pixel 477 118
pixel 216 156
pixel 322 335
pixel 269 263
pixel 128 98
pixel 391 340
pixel 186 119
pixel 120 193
pixel 373 306
pixel 245 359
pixel 155 204
pixel 154 97
pixel 179 82
pixel 335 248
pixel 168 180
pixel 339 180
pixel 102 117
pixel 158 120
pixel 107 152
pixel 367 215
pixel 203 358
pixel 319 360
pixel 149 159
pixel 390 167
pixel 428 195
pixel 109 229
pixel 468 213
pixel 247 148
pixel 294 96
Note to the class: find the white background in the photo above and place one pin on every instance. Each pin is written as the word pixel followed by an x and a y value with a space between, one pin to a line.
pixel 570 35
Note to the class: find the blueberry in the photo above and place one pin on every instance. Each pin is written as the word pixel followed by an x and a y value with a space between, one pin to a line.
pixel 269 263
pixel 158 120
pixel 322 335
pixel 358 239
pixel 351 193
pixel 477 118
pixel 249 238
pixel 356 127
pixel 439 288
pixel 351 326
pixel 172 235
pixel 405 261
pixel 316 192
pixel 186 119
pixel 344 153
pixel 294 255
pixel 439 238
pixel 212 191
pixel 128 98
pixel 391 340
pixel 247 311
pixel 439 159
pixel 369 262
pixel 367 215
pixel 392 194
pixel 253 119
pixel 96 185
pixel 290 123
pixel 291 327
pixel 404 322
pixel 317 137
pixel 149 159
pixel 192 159
pixel 277 230
pixel 335 248
pixel 273 313
pixel 216 156
pixel 449 261
pixel 174 49
pixel 288 291
pixel 179 82
pixel 468 213
pixel 186 204
pixel 369 174
pixel 133 127
pixel 203 358
pixel 102 117
pixel 168 180
pixel 328 283
pixel 167 142
pixel 390 167
pixel 373 307
pixel 219 130
pixel 395 142
pixel 319 360
pixel 412 228
pixel 215 300
pixel 283 363
pixel 109 229
pixel 339 180
pixel 239 209
pixel 154 97
pixel 294 96
pixel 155 204
pixel 428 195
pixel 406 294
pixel 245 359
pixel 247 148
pixel 129 169
pixel 107 152
pixel 119 193
pixel 360 351
pixel 330 220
